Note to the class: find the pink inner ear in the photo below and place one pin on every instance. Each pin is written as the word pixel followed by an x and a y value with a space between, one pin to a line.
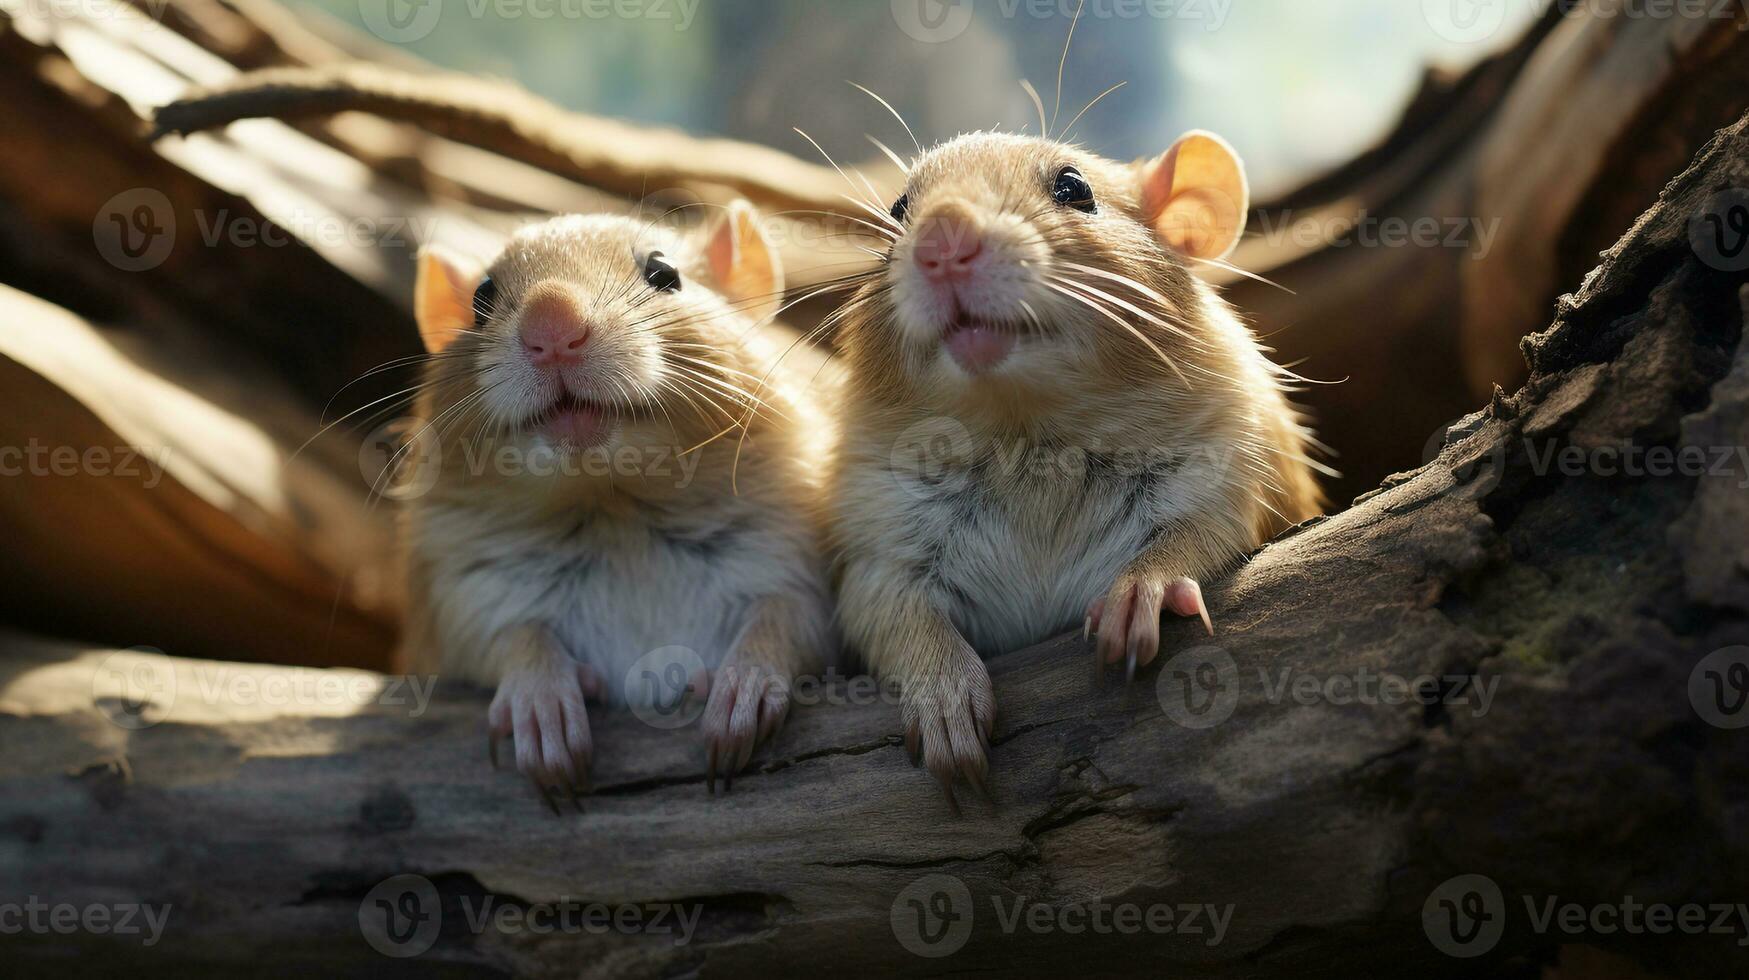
pixel 442 302
pixel 1194 196
pixel 1157 177
pixel 724 249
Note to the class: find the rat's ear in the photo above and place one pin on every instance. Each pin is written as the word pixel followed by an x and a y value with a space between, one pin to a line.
pixel 1195 196
pixel 443 296
pixel 743 261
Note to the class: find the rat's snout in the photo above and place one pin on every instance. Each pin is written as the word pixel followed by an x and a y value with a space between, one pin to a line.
pixel 552 328
pixel 948 245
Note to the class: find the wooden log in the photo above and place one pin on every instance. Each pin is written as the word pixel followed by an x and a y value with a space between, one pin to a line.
pixel 1559 618
pixel 141 512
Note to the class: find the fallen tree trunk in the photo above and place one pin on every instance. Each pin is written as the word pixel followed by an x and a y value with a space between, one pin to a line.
pixel 1564 609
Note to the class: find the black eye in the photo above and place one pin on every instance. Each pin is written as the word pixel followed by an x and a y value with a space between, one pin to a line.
pixel 1071 189
pixel 901 207
pixel 485 297
pixel 660 275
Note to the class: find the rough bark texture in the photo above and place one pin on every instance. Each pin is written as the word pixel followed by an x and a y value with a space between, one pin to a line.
pixel 1583 600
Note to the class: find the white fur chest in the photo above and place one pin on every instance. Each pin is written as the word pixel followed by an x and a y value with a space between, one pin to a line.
pixel 611 589
pixel 1016 545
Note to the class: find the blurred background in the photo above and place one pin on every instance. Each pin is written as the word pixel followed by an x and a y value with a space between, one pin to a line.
pixel 753 70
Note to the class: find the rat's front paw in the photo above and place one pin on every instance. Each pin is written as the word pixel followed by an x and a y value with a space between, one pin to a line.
pixel 1127 620
pixel 948 716
pixel 748 702
pixel 540 706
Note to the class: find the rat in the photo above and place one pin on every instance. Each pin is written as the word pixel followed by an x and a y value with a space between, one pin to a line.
pixel 1049 421
pixel 618 481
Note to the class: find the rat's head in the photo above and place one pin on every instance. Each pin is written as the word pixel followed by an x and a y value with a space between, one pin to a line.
pixel 596 333
pixel 1017 259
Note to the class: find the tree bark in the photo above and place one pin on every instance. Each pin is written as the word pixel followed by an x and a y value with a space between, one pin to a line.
pixel 1580 600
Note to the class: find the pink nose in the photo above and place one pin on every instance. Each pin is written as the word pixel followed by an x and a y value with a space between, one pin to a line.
pixel 551 327
pixel 947 247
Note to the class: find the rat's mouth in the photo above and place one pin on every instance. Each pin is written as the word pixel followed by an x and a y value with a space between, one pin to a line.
pixel 978 344
pixel 575 423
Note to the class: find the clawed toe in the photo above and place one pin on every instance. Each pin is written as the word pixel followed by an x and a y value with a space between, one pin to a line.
pixel 1125 625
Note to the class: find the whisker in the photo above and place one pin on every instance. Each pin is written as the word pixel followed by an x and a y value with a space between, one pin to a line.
pixel 1235 270
pixel 1063 62
pixel 904 167
pixel 1039 104
pixel 889 107
pixel 1120 321
pixel 1071 127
